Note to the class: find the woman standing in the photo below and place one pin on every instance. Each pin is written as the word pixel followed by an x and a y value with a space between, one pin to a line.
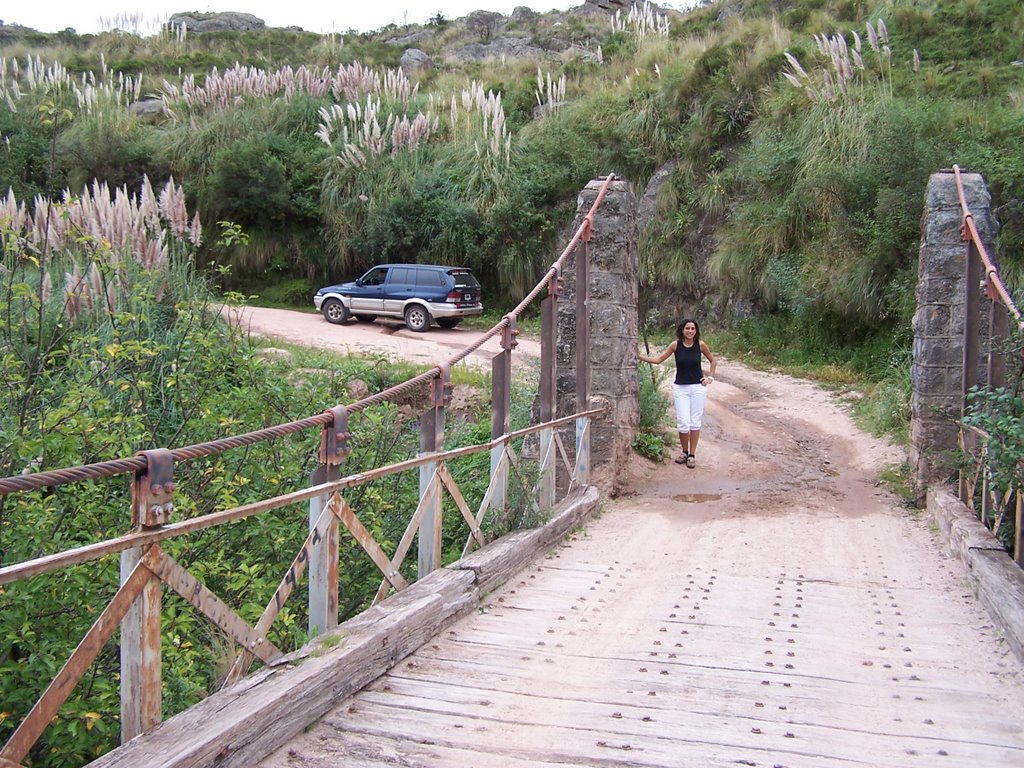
pixel 691 385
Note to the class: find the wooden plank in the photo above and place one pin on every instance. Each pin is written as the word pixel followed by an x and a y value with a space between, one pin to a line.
pixel 497 487
pixel 243 662
pixel 500 560
pixel 460 502
pixel 140 654
pixel 647 745
pixel 431 440
pixel 207 603
pixel 236 727
pixel 57 692
pixel 569 466
pixel 426 500
pixel 365 539
pixel 323 566
pixel 363 751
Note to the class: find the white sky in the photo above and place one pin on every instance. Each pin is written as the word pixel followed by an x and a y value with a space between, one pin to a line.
pixel 312 15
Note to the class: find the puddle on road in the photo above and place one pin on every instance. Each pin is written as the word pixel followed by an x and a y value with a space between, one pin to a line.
pixel 697 498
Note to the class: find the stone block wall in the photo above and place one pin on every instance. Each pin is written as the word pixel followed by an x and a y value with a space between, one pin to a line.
pixel 939 322
pixel 612 317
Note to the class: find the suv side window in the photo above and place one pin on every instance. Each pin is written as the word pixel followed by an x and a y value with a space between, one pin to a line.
pixel 402 276
pixel 429 278
pixel 375 276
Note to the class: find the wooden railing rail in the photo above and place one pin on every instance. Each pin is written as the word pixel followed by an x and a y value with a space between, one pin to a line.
pixel 975 490
pixel 146 566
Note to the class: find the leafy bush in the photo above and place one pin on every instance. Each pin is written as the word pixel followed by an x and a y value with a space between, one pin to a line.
pixel 654 403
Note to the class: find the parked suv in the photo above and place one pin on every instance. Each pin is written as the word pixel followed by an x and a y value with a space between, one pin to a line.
pixel 415 293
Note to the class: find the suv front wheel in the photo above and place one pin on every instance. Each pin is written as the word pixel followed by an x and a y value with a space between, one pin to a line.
pixel 334 311
pixel 417 318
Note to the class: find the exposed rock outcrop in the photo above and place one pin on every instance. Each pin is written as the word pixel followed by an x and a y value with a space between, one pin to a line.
pixel 414 59
pixel 217 22
pixel 507 47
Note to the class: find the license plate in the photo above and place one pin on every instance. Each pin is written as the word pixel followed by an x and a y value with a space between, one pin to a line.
pixel 467 298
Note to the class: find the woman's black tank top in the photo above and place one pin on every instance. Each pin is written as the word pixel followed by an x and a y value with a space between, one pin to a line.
pixel 688 363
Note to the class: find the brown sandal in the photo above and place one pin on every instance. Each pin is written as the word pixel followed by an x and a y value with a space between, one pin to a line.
pixel 682 458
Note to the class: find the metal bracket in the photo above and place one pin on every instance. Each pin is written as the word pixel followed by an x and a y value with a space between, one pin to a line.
pixel 965 228
pixel 990 287
pixel 509 334
pixel 556 284
pixel 441 387
pixel 334 437
pixel 588 230
pixel 153 489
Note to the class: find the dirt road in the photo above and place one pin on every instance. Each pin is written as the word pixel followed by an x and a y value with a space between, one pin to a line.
pixel 774 606
pixel 380 337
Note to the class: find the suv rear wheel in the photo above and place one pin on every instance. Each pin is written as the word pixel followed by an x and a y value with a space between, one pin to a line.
pixel 334 311
pixel 417 318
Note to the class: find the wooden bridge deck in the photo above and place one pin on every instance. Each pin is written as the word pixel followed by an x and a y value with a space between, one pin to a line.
pixel 770 610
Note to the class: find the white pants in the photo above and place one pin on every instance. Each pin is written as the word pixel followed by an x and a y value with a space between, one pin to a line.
pixel 689 400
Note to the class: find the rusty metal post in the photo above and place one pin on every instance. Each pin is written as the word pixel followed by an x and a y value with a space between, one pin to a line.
pixel 141 683
pixel 323 560
pixel 1018 538
pixel 548 390
pixel 501 403
pixel 998 331
pixel 583 355
pixel 972 308
pixel 432 440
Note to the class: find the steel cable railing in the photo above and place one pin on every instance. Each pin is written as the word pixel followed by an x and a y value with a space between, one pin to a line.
pixel 113 467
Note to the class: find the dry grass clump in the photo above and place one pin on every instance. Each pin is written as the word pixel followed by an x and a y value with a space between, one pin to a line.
pixel 641 22
pixel 845 68
pixel 116 227
pixel 355 131
pixel 90 92
pixel 222 92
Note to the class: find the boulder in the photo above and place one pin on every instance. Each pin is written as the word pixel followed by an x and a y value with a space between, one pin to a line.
pixel 414 59
pixel 608 6
pixel 199 23
pixel 523 15
pixel 150 111
pixel 485 24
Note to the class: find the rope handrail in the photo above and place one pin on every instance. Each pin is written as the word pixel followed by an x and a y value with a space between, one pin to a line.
pixel 37 480
pixel 991 272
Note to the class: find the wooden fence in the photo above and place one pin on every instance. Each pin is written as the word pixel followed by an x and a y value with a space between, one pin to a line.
pixel 146 566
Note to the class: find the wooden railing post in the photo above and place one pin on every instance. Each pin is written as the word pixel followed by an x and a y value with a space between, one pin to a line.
pixel 323 560
pixel 141 684
pixel 548 390
pixel 501 403
pixel 432 440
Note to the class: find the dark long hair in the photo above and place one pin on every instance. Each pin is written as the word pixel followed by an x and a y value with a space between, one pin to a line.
pixel 682 324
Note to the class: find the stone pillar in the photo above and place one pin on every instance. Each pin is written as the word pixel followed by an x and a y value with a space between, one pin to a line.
pixel 612 314
pixel 937 372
